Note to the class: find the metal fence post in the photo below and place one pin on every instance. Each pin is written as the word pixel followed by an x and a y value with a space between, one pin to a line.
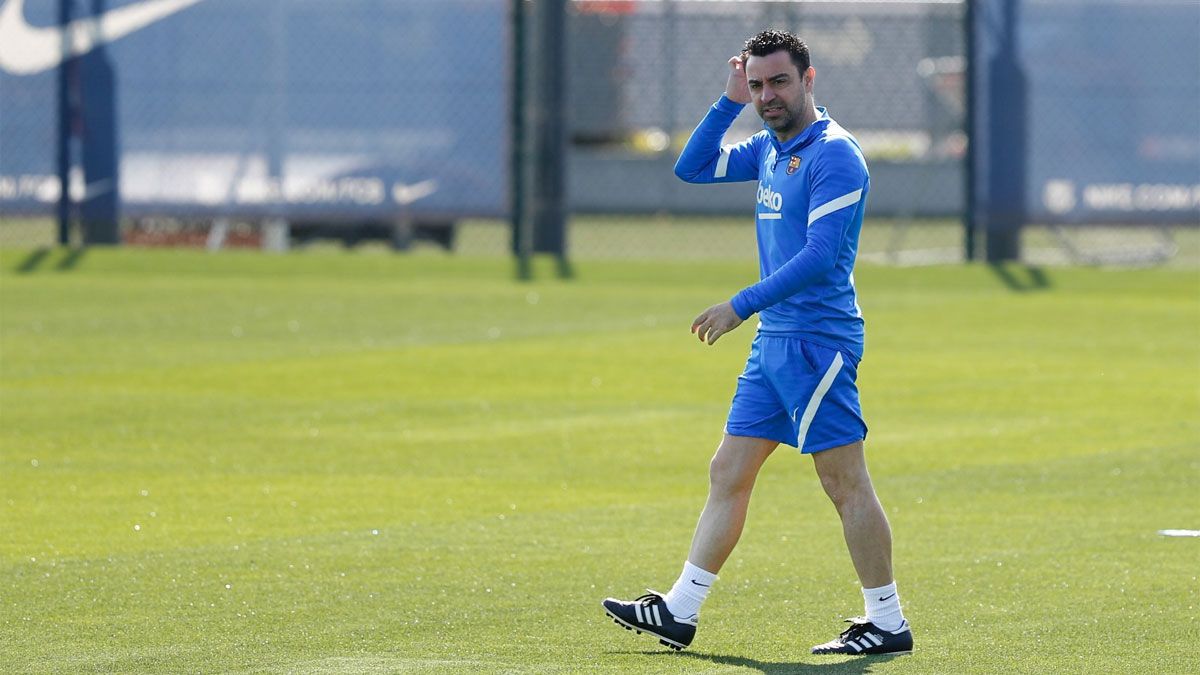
pixel 64 128
pixel 517 184
pixel 550 130
pixel 539 145
pixel 969 112
pixel 1007 101
pixel 99 208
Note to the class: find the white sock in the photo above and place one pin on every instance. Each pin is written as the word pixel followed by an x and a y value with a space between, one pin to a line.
pixel 883 607
pixel 689 591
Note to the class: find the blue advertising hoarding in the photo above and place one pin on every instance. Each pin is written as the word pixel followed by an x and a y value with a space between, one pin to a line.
pixel 289 108
pixel 1088 111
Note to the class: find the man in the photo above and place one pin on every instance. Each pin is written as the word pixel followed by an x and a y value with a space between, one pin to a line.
pixel 798 386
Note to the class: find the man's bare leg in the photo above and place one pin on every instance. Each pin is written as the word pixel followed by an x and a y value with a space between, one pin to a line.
pixel 843 474
pixel 731 474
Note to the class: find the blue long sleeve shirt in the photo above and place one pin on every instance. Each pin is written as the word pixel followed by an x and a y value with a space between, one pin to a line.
pixel 812 191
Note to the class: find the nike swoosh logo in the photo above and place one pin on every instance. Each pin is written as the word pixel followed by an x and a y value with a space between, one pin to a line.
pixel 407 194
pixel 699 584
pixel 887 597
pixel 27 50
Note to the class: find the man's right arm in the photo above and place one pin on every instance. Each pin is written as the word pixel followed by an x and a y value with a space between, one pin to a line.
pixel 705 160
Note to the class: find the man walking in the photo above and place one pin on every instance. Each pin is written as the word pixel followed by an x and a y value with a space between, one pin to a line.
pixel 798 386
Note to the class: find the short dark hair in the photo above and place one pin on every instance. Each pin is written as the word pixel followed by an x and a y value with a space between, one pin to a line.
pixel 771 41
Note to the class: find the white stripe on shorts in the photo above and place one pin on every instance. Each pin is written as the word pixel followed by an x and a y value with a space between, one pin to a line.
pixel 815 402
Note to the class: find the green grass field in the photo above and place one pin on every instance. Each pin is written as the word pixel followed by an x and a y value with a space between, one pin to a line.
pixel 362 463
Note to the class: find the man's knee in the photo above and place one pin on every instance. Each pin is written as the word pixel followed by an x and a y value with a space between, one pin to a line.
pixel 734 468
pixel 843 487
pixel 727 474
pixel 843 474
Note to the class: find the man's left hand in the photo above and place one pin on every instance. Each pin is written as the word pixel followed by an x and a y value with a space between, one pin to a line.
pixel 715 322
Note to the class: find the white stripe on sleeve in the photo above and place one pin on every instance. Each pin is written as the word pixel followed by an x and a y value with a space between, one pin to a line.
pixel 722 163
pixel 833 205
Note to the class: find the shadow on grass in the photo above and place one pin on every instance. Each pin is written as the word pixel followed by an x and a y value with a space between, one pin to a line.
pixel 857 665
pixel 71 259
pixel 33 261
pixel 1035 278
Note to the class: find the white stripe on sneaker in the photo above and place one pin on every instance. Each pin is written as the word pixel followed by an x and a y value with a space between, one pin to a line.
pixel 657 618
pixel 638 609
pixel 874 638
pixel 854 644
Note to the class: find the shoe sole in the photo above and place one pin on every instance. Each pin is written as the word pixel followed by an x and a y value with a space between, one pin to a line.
pixel 666 642
pixel 903 653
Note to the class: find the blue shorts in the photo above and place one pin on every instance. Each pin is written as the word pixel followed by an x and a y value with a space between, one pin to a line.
pixel 799 393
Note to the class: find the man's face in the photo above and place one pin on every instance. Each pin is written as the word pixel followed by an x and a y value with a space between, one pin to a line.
pixel 779 91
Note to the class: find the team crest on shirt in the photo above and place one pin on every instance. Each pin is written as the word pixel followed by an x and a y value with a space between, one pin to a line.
pixel 793 164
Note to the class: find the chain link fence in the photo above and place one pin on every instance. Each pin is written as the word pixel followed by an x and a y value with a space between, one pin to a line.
pixel 229 120
pixel 293 122
pixel 1086 129
pixel 644 73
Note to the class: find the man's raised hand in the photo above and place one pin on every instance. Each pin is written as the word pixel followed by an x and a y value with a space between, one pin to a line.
pixel 736 89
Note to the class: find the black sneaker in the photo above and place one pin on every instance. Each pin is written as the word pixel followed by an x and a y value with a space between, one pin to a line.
pixel 649 614
pixel 862 637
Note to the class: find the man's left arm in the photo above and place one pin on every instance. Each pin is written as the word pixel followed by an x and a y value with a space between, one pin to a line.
pixel 839 180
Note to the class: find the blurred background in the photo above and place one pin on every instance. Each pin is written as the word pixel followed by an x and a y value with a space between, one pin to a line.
pixel 1061 131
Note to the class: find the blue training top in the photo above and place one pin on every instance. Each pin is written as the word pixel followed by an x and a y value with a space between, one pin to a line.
pixel 811 194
